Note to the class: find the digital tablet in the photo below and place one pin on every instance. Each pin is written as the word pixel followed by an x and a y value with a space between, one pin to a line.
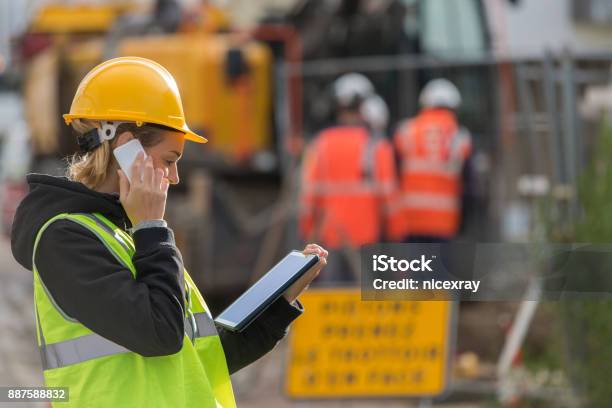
pixel 265 291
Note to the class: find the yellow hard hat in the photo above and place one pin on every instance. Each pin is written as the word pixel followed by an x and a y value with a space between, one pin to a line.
pixel 131 89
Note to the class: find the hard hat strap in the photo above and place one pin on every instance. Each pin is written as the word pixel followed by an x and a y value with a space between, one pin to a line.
pixel 95 137
pixel 88 141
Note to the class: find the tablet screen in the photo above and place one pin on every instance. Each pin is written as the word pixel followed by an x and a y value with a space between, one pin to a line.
pixel 279 277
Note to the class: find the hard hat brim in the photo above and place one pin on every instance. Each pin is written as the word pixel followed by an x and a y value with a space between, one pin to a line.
pixel 189 134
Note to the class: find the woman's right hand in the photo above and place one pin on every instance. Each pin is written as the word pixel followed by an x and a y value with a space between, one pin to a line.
pixel 145 198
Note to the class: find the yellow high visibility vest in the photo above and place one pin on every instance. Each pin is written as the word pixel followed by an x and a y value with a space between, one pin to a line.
pixel 101 373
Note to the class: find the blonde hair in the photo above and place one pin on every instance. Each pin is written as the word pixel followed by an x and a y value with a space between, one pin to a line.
pixel 93 168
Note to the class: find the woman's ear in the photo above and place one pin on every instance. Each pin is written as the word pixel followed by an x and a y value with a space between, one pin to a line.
pixel 122 139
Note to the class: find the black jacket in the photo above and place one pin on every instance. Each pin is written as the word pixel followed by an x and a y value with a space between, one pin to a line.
pixel 145 314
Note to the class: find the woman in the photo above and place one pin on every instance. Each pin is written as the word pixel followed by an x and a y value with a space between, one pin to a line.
pixel 119 321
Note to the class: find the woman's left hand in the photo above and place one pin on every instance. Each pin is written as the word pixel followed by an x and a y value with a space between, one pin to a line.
pixel 302 283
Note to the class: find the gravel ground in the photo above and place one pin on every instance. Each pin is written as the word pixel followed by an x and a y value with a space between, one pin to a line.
pixel 19 358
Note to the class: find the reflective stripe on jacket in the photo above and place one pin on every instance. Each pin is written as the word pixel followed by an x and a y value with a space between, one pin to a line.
pixel 348 181
pixel 101 373
pixel 433 149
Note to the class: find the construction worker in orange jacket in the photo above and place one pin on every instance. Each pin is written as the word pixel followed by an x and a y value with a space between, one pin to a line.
pixel 432 148
pixel 348 178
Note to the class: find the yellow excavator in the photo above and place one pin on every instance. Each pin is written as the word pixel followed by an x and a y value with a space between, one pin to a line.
pixel 240 187
pixel 230 186
pixel 224 78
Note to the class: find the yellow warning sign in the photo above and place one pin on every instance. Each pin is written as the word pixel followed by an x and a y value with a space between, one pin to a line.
pixel 345 347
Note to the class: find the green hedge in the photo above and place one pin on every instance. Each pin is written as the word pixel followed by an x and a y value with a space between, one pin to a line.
pixel 588 323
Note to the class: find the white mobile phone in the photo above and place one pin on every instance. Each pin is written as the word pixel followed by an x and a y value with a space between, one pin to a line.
pixel 126 154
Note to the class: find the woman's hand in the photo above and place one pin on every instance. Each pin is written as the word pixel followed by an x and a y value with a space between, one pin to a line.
pixel 145 198
pixel 302 283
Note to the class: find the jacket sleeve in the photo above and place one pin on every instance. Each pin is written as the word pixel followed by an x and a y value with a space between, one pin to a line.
pixel 89 284
pixel 243 348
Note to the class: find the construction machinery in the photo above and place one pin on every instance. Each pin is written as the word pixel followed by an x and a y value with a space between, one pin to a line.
pixel 257 96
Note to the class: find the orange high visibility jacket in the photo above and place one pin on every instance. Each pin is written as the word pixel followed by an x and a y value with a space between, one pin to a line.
pixel 348 179
pixel 432 149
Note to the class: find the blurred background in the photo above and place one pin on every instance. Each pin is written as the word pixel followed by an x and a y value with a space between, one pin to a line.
pixel 257 78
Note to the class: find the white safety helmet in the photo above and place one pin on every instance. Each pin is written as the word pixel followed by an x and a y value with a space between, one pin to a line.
pixel 351 89
pixel 440 93
pixel 375 113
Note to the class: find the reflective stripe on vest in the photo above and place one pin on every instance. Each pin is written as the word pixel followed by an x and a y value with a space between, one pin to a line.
pixel 369 158
pixel 79 219
pixel 348 188
pixel 92 346
pixel 460 143
pixel 195 376
pixel 366 184
pixel 117 234
pixel 428 201
pixel 433 149
pixel 85 348
pixel 444 169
